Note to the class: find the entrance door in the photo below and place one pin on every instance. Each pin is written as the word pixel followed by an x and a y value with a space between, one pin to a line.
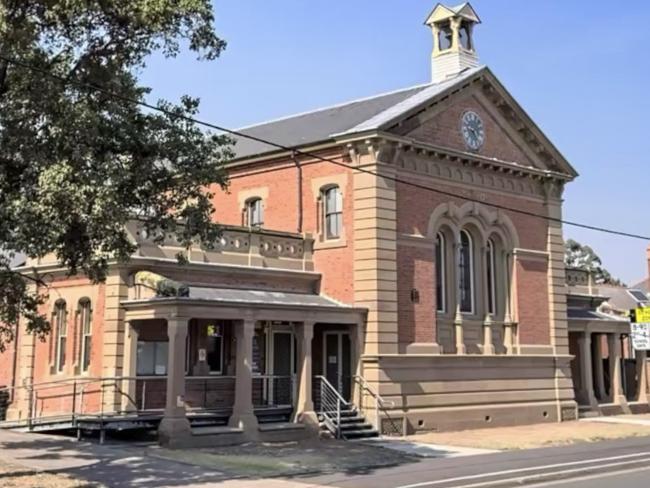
pixel 283 359
pixel 337 361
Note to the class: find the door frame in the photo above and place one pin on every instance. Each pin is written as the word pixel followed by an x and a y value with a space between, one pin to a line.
pixel 339 352
pixel 270 361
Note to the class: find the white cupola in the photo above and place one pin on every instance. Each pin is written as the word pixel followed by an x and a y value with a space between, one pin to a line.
pixel 453 40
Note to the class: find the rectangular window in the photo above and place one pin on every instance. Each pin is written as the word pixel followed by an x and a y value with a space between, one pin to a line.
pixel 152 358
pixel 465 273
pixel 333 213
pixel 86 343
pixel 490 278
pixel 255 213
pixel 61 337
pixel 214 353
pixel 440 273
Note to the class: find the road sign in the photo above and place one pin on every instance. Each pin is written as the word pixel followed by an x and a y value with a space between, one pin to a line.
pixel 643 314
pixel 640 335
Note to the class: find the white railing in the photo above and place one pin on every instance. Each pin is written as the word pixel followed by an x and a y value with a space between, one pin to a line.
pixel 330 406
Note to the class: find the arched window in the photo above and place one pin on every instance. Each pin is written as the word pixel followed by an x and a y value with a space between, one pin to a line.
pixel 85 333
pixel 61 331
pixel 490 270
pixel 333 212
pixel 441 275
pixel 254 212
pixel 466 273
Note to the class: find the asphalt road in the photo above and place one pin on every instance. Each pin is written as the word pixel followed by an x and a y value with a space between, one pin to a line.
pixel 510 468
pixel 638 478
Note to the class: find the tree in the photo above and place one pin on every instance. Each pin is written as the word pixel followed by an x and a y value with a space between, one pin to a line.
pixel 583 257
pixel 76 163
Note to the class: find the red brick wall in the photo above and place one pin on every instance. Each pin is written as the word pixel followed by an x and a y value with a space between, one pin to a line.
pixel 6 364
pixel 532 302
pixel 444 130
pixel 281 212
pixel 417 320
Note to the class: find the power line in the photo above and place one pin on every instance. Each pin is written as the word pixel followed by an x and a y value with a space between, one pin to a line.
pixel 309 154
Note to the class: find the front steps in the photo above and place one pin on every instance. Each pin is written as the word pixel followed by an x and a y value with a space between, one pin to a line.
pixel 353 425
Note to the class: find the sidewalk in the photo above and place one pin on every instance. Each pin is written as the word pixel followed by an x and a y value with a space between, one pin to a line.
pixel 542 435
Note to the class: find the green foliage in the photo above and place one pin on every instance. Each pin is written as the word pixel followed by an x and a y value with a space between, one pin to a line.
pixel 76 164
pixel 583 257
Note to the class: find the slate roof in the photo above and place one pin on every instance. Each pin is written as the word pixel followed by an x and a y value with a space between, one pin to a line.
pixel 257 297
pixel 347 118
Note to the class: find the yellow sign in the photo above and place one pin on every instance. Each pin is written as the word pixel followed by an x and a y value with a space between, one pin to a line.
pixel 643 314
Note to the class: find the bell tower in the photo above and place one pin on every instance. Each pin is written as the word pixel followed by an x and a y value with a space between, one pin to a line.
pixel 453 40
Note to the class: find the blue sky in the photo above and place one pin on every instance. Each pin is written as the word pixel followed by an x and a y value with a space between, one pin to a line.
pixel 579 68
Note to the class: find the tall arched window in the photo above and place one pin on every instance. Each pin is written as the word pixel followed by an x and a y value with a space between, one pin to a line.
pixel 254 212
pixel 333 212
pixel 61 331
pixel 466 273
pixel 85 333
pixel 490 270
pixel 441 275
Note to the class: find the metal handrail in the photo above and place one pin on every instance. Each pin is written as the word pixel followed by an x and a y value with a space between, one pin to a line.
pixel 380 402
pixel 331 402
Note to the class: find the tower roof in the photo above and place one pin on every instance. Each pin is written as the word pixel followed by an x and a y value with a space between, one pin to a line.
pixel 442 12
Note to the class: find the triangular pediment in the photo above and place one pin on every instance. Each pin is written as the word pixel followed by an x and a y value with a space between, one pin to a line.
pixel 510 135
pixel 441 12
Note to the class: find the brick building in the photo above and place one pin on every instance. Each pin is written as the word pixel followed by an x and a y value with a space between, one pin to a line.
pixel 403 255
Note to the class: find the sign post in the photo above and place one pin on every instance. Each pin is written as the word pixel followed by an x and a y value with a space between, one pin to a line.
pixel 640 328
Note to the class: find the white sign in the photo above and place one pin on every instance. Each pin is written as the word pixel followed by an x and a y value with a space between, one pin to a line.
pixel 202 355
pixel 640 336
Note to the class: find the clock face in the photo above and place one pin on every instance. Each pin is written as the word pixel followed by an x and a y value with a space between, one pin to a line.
pixel 471 126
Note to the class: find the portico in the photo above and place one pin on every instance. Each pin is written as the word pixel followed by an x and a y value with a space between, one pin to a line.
pixel 291 319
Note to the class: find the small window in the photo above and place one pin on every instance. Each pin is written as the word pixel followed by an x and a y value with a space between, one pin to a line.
pixel 152 358
pixel 214 353
pixel 465 36
pixel 490 271
pixel 85 327
pixel 254 212
pixel 441 251
pixel 333 212
pixel 61 330
pixel 466 273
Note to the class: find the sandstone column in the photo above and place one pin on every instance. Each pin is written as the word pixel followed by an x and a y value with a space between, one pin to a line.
pixel 174 426
pixel 129 384
pixel 304 403
pixel 616 387
pixel 599 372
pixel 243 414
pixel 642 377
pixel 488 345
pixel 458 317
pixel 586 374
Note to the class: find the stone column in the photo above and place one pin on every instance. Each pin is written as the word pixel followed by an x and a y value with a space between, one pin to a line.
pixel 488 345
pixel 616 386
pixel 304 403
pixel 458 318
pixel 129 384
pixel 508 326
pixel 642 377
pixel 599 372
pixel 243 414
pixel 174 427
pixel 586 374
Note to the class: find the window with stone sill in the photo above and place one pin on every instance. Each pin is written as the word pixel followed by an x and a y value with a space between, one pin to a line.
pixel 441 275
pixel 254 212
pixel 61 335
pixel 332 200
pixel 84 314
pixel 466 273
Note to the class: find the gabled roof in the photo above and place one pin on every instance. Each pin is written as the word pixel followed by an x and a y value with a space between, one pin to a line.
pixel 441 12
pixel 380 113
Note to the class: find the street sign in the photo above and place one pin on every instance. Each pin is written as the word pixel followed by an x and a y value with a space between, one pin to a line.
pixel 643 314
pixel 640 335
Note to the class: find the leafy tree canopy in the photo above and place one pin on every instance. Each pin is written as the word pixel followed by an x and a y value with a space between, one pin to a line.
pixel 583 257
pixel 76 164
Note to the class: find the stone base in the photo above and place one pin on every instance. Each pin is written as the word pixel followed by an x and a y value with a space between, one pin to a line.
pixel 309 420
pixel 174 431
pixel 247 423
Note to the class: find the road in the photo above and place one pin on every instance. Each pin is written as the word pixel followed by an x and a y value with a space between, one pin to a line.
pixel 512 468
pixel 637 478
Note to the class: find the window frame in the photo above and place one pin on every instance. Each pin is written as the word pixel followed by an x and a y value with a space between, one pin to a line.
pixel 220 372
pixel 251 210
pixel 156 345
pixel 61 340
pixel 491 278
pixel 336 212
pixel 85 312
pixel 461 277
pixel 441 272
